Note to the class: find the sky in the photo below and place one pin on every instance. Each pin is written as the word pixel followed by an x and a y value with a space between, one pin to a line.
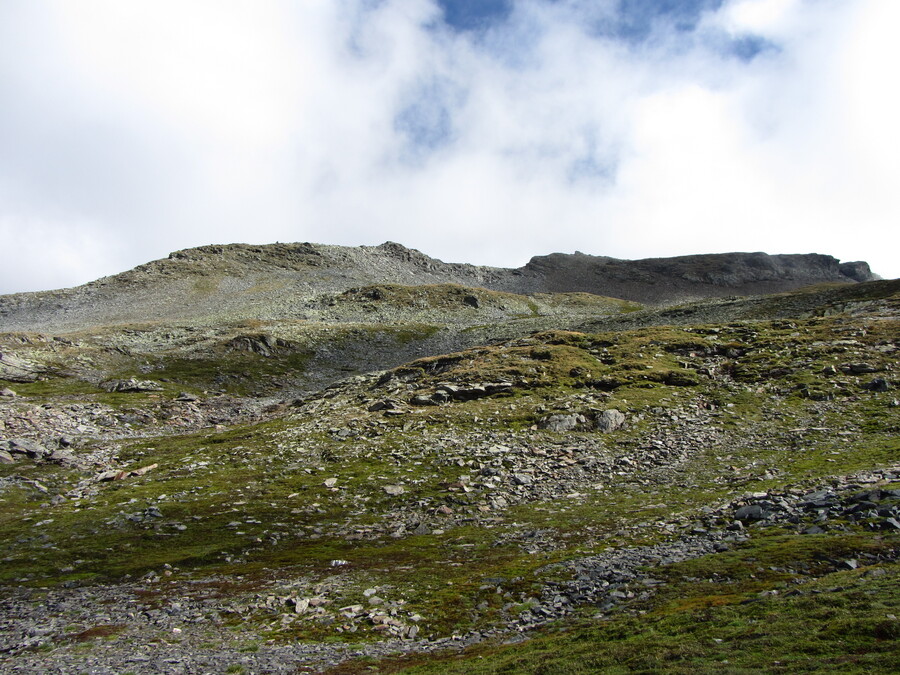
pixel 480 131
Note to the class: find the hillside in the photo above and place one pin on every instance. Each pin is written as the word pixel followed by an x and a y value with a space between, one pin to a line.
pixel 396 465
pixel 212 284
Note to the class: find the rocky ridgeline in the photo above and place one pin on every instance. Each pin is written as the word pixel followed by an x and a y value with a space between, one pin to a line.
pixel 279 281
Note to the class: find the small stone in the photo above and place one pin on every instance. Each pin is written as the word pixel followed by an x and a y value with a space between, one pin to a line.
pixel 6 392
pixel 394 490
pixel 330 482
pixel 6 458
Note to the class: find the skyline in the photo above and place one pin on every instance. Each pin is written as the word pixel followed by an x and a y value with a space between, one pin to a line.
pixel 479 132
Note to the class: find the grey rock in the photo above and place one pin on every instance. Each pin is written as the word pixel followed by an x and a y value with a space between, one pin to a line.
pixel 610 420
pixel 24 446
pixel 16 369
pixel 751 513
pixel 878 384
pixel 64 457
pixel 563 422
pixel 131 385
pixel 264 345
pixel 6 392
pixel 859 368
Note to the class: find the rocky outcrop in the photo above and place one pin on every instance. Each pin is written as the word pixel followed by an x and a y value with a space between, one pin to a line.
pixel 663 280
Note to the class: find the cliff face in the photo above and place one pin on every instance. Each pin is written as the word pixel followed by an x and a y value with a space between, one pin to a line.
pixel 275 281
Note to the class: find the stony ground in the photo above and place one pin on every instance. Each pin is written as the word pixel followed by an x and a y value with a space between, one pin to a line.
pixel 222 501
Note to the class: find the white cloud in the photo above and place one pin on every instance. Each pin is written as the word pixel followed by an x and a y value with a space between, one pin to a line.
pixel 134 129
pixel 759 16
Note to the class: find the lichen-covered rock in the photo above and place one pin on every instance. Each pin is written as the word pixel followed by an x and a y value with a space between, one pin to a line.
pixel 564 422
pixel 131 385
pixel 610 420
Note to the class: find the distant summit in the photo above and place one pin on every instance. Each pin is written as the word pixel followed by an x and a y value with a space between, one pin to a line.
pixel 240 281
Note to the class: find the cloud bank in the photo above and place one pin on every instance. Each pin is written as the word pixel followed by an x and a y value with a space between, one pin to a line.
pixel 481 133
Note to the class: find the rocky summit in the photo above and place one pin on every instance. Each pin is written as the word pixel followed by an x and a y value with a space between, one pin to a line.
pixel 307 458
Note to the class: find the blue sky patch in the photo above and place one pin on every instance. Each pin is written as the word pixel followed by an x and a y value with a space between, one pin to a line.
pixel 748 47
pixel 636 19
pixel 426 121
pixel 464 15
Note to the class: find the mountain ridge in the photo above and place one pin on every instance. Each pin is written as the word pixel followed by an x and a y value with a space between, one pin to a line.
pixel 280 280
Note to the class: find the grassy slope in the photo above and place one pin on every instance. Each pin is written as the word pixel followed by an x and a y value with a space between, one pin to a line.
pixel 763 381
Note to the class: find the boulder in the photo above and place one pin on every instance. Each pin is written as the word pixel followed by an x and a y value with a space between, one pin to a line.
pixel 15 369
pixel 751 513
pixel 64 457
pixel 563 422
pixel 264 345
pixel 23 446
pixel 131 385
pixel 610 420
pixel 878 384
pixel 386 404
